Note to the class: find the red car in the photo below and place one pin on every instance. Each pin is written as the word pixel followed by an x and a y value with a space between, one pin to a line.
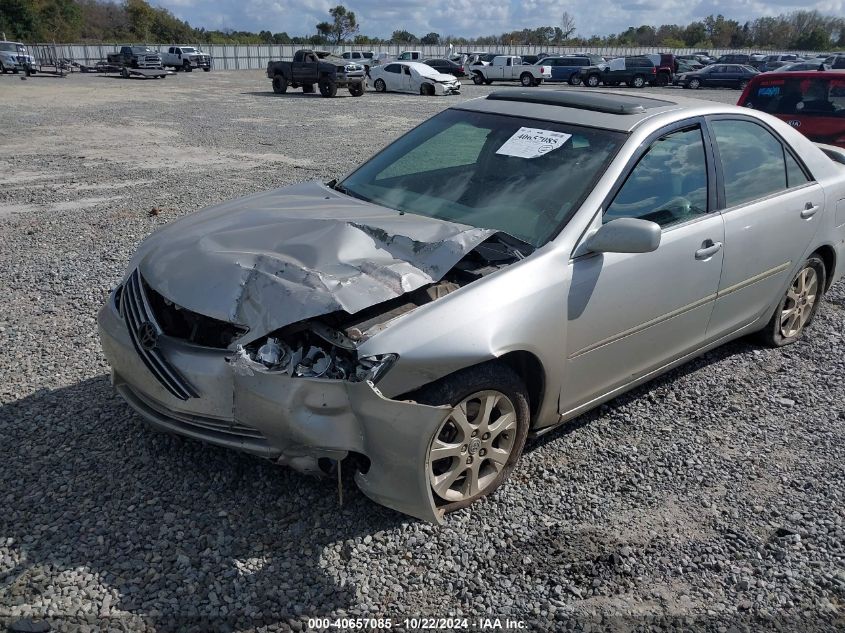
pixel 813 102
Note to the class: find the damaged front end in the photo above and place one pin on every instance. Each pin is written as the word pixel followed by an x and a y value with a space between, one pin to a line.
pixel 254 345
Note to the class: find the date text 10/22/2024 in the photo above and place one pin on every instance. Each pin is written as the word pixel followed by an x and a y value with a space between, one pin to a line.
pixel 439 624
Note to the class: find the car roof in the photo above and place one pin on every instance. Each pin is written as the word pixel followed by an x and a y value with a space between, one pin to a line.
pixel 800 74
pixel 418 66
pixel 593 108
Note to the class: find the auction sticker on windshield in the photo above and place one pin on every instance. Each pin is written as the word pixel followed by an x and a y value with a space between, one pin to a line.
pixel 530 142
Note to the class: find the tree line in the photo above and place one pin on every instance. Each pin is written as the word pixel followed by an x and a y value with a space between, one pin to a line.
pixel 138 21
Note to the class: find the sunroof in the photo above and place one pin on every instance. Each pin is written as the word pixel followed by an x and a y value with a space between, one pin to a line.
pixel 606 102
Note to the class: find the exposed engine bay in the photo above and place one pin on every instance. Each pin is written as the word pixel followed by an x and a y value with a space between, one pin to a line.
pixel 326 346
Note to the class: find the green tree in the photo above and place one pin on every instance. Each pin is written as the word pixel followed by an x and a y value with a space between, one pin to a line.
pixel 19 19
pixel 404 37
pixel 141 17
pixel 430 38
pixel 343 25
pixel 814 40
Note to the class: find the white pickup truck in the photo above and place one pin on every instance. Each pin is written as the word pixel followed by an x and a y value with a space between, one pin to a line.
pixel 185 58
pixel 511 68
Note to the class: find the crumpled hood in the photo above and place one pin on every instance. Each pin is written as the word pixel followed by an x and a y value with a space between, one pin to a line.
pixel 275 258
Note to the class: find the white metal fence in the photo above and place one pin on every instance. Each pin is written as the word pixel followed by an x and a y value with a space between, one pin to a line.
pixel 256 56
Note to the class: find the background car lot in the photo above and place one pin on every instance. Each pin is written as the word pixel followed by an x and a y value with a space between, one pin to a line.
pixel 714 492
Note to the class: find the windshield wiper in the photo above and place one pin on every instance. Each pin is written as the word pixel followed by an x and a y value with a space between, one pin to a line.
pixel 333 184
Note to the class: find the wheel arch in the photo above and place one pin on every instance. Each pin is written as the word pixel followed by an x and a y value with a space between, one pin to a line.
pixel 525 364
pixel 828 256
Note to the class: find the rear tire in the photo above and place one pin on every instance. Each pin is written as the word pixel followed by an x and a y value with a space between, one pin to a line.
pixel 280 84
pixel 526 79
pixel 795 311
pixel 638 81
pixel 743 84
pixel 486 440
pixel 328 88
pixel 574 80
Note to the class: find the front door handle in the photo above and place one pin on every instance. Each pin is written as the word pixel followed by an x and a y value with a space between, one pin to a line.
pixel 809 211
pixel 708 249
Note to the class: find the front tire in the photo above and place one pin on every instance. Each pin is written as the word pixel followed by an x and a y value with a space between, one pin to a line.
pixel 328 88
pixel 207 69
pixel 593 81
pixel 427 90
pixel 356 90
pixel 478 445
pixel 280 84
pixel 478 79
pixel 695 84
pixel 796 309
pixel 380 86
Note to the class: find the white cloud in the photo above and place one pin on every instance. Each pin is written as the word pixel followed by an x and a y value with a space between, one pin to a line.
pixel 475 17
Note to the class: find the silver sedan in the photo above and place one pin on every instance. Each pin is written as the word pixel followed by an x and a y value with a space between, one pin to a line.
pixel 507 265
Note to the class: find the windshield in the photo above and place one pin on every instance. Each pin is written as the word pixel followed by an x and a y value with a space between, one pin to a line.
pixel 12 46
pixel 142 49
pixel 810 97
pixel 521 176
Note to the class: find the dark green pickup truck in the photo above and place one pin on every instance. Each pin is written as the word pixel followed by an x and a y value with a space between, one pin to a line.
pixel 317 67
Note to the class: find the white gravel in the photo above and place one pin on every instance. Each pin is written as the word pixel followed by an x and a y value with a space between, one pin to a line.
pixel 709 499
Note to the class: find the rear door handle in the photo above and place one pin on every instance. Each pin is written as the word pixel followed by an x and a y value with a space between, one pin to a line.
pixel 706 252
pixel 809 211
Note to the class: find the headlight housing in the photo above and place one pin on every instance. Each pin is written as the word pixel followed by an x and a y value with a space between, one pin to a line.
pixel 378 366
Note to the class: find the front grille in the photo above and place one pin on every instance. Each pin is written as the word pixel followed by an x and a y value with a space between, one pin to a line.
pixel 136 311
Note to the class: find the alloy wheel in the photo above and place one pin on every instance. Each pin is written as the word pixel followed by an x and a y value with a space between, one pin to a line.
pixel 800 299
pixel 472 446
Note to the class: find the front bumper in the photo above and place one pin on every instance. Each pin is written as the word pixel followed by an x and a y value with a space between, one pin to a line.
pixel 447 89
pixel 346 80
pixel 200 62
pixel 292 420
pixel 16 64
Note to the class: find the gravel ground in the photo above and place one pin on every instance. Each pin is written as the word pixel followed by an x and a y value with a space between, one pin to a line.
pixel 709 499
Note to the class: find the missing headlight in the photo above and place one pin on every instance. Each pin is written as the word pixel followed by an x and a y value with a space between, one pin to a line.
pixel 312 350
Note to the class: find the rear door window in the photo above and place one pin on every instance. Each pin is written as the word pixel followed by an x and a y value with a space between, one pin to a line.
pixel 755 164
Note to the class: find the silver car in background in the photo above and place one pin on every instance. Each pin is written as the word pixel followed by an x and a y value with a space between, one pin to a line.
pixel 505 266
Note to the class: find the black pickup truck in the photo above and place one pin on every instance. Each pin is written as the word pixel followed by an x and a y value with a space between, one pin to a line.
pixel 317 67
pixel 135 57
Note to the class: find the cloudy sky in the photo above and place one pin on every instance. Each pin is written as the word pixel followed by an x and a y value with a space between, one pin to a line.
pixel 475 17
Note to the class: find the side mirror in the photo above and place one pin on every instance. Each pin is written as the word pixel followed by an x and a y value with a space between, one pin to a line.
pixel 625 235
